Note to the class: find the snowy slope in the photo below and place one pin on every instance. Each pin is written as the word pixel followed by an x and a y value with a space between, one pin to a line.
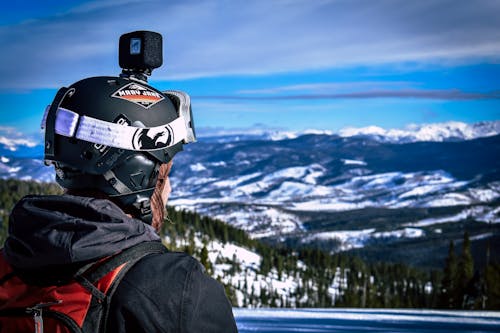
pixel 365 320
pixel 287 184
pixel 249 283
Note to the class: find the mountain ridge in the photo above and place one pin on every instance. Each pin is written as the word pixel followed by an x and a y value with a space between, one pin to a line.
pixel 392 193
pixel 13 143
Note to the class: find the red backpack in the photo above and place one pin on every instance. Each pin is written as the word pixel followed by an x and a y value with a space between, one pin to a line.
pixel 81 305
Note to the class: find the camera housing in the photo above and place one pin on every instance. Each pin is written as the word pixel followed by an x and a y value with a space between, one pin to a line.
pixel 139 53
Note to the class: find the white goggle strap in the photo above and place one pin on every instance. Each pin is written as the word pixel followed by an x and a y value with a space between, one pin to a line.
pixel 70 124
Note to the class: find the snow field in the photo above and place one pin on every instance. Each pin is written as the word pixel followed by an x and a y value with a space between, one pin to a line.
pixel 352 239
pixel 489 318
pixel 249 276
pixel 247 279
pixel 297 189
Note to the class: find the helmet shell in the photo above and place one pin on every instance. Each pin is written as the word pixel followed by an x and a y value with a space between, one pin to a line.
pixel 81 164
pixel 94 97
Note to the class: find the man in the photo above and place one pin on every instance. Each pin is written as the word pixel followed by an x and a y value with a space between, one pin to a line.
pixel 117 187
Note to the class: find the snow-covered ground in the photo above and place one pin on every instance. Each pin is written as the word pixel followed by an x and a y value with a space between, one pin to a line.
pixel 298 189
pixel 352 239
pixel 365 320
pixel 479 213
pixel 266 205
pixel 256 188
pixel 249 282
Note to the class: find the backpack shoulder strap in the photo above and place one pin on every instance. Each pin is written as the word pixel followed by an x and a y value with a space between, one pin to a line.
pixel 103 278
pixel 6 272
pixel 130 255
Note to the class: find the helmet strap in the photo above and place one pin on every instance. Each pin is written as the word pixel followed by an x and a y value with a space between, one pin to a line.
pixel 137 204
pixel 116 183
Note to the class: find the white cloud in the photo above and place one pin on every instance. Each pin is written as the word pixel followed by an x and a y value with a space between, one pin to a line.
pixel 11 138
pixel 248 37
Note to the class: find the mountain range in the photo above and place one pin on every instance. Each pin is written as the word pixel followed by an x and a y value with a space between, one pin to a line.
pixel 397 195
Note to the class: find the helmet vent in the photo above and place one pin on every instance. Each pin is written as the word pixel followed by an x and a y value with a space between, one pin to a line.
pixel 137 179
pixel 87 155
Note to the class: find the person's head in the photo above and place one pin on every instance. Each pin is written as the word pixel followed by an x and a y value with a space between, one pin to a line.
pixel 117 136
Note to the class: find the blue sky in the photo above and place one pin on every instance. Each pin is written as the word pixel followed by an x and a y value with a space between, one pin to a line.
pixel 283 64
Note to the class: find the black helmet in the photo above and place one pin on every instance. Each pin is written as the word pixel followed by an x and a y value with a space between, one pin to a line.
pixel 111 134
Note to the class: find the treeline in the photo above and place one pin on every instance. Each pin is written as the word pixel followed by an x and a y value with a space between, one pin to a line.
pixel 319 278
pixel 325 280
pixel 463 286
pixel 12 190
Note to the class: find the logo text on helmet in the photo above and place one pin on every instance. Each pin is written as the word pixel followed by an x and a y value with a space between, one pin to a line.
pixel 120 120
pixel 139 95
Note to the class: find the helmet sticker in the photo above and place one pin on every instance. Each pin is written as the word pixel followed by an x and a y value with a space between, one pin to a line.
pixel 139 95
pixel 153 138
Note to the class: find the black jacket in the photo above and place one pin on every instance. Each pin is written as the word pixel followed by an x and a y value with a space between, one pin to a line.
pixel 51 235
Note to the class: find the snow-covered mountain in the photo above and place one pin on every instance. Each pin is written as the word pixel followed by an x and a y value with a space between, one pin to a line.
pixel 447 131
pixel 14 143
pixel 428 132
pixel 348 192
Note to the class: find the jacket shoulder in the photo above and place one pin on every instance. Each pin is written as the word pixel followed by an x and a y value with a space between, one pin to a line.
pixel 170 292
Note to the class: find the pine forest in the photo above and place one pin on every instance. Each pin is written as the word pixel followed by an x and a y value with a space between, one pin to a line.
pixel 257 274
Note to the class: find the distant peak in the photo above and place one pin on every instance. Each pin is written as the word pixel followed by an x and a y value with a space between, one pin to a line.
pixel 452 130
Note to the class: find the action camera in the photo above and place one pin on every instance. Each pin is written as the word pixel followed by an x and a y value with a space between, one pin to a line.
pixel 139 53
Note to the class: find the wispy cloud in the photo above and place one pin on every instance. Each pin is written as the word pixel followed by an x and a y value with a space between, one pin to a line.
pixel 451 94
pixel 327 87
pixel 249 37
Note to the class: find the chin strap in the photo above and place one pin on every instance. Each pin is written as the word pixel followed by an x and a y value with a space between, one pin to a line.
pixel 144 209
pixel 116 183
pixel 138 204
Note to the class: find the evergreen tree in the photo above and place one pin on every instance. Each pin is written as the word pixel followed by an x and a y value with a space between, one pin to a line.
pixel 12 190
pixel 231 295
pixel 191 247
pixel 266 263
pixel 432 299
pixel 465 271
pixel 492 278
pixel 4 225
pixel 204 259
pixel 279 265
pixel 448 283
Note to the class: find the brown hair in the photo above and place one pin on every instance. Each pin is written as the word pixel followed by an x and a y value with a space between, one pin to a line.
pixel 158 208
